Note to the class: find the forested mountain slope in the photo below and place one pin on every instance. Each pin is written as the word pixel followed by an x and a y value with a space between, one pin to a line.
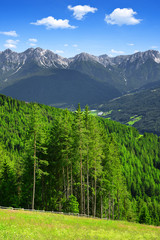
pixel 140 110
pixel 53 159
pixel 61 87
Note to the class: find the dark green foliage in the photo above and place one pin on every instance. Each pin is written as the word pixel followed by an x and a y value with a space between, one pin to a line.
pixel 144 216
pixel 8 188
pixel 84 163
pixel 71 205
pixel 61 88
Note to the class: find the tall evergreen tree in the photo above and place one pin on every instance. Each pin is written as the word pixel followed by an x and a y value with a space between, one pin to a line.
pixel 80 148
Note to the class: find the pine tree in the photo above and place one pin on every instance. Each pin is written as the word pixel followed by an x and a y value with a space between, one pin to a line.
pixel 36 146
pixel 95 156
pixel 8 187
pixel 80 148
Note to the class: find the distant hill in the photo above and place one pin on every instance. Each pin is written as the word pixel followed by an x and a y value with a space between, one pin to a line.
pixel 61 88
pixel 141 110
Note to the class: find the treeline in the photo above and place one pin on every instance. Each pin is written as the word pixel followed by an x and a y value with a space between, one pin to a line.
pixel 53 159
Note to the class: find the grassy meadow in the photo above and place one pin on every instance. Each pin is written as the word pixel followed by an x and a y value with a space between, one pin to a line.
pixel 16 225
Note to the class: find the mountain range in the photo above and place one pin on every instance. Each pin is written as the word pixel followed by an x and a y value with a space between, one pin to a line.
pixel 43 76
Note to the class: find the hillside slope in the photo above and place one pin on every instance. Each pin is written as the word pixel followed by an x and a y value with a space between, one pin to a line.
pixel 140 110
pixel 60 227
pixel 123 166
pixel 61 88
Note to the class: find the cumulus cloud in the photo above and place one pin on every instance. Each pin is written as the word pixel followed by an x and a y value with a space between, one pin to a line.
pixel 154 47
pixel 52 23
pixel 130 44
pixel 116 52
pixel 80 11
pixel 124 16
pixel 75 45
pixel 34 40
pixel 66 45
pixel 59 51
pixel 32 44
pixel 10 33
pixel 11 43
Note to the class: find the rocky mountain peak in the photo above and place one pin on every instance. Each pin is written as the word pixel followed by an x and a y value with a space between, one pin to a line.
pixel 85 57
pixel 105 60
pixel 12 62
pixel 7 51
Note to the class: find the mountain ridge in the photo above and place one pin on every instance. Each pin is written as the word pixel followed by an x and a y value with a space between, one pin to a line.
pixel 104 59
pixel 117 75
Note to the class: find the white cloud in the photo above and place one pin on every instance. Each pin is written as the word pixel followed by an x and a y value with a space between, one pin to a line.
pixel 136 51
pixel 124 16
pixel 75 45
pixel 130 44
pixel 34 40
pixel 116 52
pixel 32 44
pixel 10 33
pixel 66 45
pixel 59 51
pixel 80 11
pixel 8 45
pixel 50 22
pixel 154 47
pixel 11 43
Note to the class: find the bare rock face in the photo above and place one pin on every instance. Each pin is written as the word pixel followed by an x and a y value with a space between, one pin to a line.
pixel 12 61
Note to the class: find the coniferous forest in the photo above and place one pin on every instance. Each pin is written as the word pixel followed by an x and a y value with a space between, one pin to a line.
pixel 57 160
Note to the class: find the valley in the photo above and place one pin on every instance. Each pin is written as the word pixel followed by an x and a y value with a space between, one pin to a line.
pixel 79 120
pixel 76 152
pixel 127 85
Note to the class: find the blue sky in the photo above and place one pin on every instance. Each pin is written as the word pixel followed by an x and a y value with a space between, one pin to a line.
pixel 69 27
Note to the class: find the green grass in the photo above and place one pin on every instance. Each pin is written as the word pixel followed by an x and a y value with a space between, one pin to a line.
pixel 94 113
pixel 17 225
pixel 134 120
pixel 107 113
pixel 133 117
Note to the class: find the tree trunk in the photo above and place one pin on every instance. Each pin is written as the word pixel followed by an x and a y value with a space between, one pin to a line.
pixel 109 206
pixel 64 183
pixel 87 189
pixel 95 195
pixel 34 171
pixel 92 199
pixel 67 183
pixel 71 181
pixel 84 198
pixel 43 193
pixel 101 207
pixel 118 202
pixel 81 201
pixel 113 209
